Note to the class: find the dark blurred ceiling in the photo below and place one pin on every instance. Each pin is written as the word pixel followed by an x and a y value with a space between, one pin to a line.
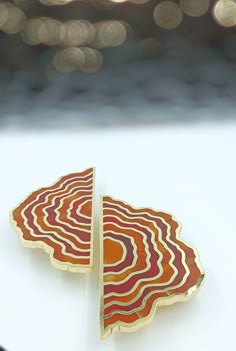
pixel 50 63
pixel 144 38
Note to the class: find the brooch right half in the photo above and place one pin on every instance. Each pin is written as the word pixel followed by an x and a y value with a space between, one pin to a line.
pixel 144 265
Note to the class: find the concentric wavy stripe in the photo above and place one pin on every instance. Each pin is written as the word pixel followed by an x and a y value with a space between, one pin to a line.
pixel 59 220
pixel 165 270
pixel 152 259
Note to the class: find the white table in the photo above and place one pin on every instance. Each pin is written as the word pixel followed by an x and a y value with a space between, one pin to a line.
pixel 186 170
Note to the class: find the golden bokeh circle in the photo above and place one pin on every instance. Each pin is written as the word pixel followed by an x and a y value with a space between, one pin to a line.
pixel 84 59
pixel 168 15
pixel 49 31
pixel 77 32
pixel 3 14
pixel 15 20
pixel 109 34
pixel 31 32
pixel 93 60
pixel 68 60
pixel 194 8
pixel 224 12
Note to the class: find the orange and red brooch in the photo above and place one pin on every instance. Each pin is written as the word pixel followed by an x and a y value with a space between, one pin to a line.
pixel 143 262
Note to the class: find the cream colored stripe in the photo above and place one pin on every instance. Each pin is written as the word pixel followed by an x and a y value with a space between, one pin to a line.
pixel 78 223
pixel 162 301
pixel 49 225
pixel 78 210
pixel 56 190
pixel 167 238
pixel 147 258
pixel 56 242
pixel 159 232
pixel 47 235
pixel 122 326
pixel 156 284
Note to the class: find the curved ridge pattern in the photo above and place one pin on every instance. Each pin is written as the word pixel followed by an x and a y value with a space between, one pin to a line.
pixel 59 220
pixel 154 267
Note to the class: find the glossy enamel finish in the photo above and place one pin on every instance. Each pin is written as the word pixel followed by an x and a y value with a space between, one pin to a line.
pixel 144 265
pixel 59 219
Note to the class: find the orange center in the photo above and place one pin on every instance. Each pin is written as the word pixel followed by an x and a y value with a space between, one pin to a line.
pixel 113 250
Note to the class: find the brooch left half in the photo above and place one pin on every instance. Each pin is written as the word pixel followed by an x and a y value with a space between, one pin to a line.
pixel 59 220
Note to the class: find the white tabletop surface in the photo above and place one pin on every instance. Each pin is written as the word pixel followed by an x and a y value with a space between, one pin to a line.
pixel 189 171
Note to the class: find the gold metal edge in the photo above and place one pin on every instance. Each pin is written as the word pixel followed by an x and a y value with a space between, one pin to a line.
pixel 92 221
pixel 101 285
pixel 159 302
pixel 48 249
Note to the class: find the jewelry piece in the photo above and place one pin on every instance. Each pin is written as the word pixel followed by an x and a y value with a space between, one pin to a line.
pixel 59 220
pixel 144 265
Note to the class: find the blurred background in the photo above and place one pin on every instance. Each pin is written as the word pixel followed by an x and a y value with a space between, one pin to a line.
pixel 144 90
pixel 89 63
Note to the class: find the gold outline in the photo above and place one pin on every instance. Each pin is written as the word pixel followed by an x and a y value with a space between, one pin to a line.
pixel 159 302
pixel 101 285
pixel 64 266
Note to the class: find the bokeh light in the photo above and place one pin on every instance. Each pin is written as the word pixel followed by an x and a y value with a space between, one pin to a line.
pixel 168 15
pixel 84 59
pixel 77 32
pixel 109 34
pixel 12 19
pixel 194 8
pixel 225 13
pixel 94 25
